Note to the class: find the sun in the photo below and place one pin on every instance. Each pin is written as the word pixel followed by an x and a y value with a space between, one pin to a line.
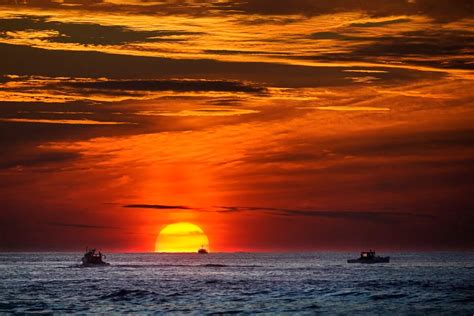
pixel 181 237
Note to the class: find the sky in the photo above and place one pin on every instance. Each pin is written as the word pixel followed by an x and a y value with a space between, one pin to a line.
pixel 272 125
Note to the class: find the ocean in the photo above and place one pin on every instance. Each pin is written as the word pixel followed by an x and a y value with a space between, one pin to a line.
pixel 300 283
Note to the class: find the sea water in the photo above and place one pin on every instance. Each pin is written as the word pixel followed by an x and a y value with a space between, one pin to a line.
pixel 303 283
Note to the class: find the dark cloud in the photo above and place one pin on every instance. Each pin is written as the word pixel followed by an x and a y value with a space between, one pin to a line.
pixel 370 216
pixel 405 143
pixel 441 10
pixel 23 143
pixel 376 216
pixel 15 136
pixel 86 226
pixel 436 48
pixel 87 33
pixel 276 20
pixel 421 43
pixel 332 36
pixel 224 101
pixel 242 52
pixel 158 206
pixel 22 60
pixel 167 85
pixel 37 159
pixel 158 7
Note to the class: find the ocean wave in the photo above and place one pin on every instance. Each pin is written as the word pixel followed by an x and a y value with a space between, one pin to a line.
pixel 5 307
pixel 164 265
pixel 127 294
pixel 348 293
pixel 228 312
pixel 377 297
pixel 312 306
pixel 464 300
pixel 213 265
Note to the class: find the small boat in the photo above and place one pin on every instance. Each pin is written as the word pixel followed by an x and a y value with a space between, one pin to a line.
pixel 369 257
pixel 92 258
pixel 203 251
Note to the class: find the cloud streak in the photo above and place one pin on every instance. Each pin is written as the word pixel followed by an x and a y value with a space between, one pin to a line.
pixel 59 121
pixel 441 10
pixel 375 216
pixel 86 33
pixel 380 23
pixel 155 72
pixel 417 47
pixel 39 159
pixel 158 206
pixel 181 85
pixel 81 226
pixel 36 88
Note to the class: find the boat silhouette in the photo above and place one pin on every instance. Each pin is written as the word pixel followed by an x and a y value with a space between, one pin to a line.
pixel 203 250
pixel 369 257
pixel 92 258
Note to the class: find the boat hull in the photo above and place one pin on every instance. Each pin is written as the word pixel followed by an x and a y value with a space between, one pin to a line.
pixel 370 261
pixel 92 265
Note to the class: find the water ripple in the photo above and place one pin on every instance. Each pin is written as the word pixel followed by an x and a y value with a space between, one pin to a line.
pixel 430 283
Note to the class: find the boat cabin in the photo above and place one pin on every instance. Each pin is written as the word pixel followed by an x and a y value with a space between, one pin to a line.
pixel 93 257
pixel 203 250
pixel 367 254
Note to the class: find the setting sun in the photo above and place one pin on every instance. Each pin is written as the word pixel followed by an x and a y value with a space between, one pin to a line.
pixel 181 237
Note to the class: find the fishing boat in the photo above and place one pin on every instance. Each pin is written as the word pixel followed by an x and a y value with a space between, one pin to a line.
pixel 92 258
pixel 369 257
pixel 203 251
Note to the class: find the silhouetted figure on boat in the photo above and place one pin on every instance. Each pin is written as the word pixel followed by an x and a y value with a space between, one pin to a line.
pixel 92 257
pixel 369 257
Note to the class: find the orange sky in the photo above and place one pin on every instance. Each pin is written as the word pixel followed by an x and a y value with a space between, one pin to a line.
pixel 272 125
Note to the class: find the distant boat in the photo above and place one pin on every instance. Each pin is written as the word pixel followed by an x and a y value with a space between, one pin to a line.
pixel 92 258
pixel 369 257
pixel 203 251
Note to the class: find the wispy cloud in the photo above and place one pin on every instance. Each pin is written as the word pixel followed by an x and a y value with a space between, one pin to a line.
pixel 381 216
pixel 157 73
pixel 442 10
pixel 62 89
pixel 158 206
pixel 437 9
pixel 59 121
pixel 201 112
pixel 84 226
pixel 84 33
pixel 426 47
pixel 352 108
pixel 38 159
pixel 379 23
pixel 376 216
pixel 181 85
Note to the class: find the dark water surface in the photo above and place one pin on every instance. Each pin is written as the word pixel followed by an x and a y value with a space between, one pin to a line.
pixel 426 283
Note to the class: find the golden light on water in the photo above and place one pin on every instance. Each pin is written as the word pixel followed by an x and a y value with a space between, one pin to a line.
pixel 181 237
